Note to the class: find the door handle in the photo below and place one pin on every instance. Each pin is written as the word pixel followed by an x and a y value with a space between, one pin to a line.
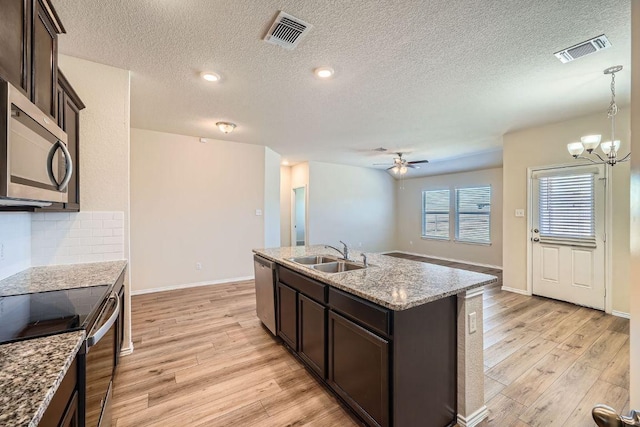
pixel 535 230
pixel 535 239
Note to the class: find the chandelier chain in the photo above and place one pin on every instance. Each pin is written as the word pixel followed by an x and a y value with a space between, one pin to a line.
pixel 613 108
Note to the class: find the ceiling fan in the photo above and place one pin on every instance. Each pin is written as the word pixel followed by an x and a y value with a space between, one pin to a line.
pixel 401 165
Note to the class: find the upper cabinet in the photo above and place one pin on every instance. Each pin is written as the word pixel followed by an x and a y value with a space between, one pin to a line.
pixel 29 50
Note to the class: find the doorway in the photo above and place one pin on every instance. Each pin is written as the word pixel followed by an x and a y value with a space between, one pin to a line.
pixel 298 217
pixel 567 234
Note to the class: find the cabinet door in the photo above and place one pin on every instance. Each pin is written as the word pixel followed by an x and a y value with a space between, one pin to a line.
pixel 70 418
pixel 44 61
pixel 14 43
pixel 312 327
pixel 71 125
pixel 359 369
pixel 288 315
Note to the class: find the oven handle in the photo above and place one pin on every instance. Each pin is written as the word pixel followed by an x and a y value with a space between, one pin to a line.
pixel 93 339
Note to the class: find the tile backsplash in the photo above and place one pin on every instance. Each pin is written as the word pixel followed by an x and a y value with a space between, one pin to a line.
pixel 15 243
pixel 70 238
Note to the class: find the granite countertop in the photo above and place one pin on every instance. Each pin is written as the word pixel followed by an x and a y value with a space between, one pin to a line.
pixel 395 283
pixel 57 277
pixel 30 373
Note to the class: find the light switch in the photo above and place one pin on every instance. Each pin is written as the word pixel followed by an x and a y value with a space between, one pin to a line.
pixel 520 213
pixel 258 212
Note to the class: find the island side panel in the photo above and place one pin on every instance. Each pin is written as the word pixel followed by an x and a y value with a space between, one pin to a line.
pixel 471 406
pixel 425 364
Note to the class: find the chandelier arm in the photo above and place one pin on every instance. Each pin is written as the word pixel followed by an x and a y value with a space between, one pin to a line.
pixel 625 158
pixel 598 156
pixel 591 160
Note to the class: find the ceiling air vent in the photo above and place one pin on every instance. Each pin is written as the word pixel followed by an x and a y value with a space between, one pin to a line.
pixel 287 31
pixel 582 49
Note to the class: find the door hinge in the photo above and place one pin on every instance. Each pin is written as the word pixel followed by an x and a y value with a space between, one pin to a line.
pixel 604 237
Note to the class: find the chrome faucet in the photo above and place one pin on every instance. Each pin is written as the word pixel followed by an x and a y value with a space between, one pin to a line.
pixel 364 259
pixel 344 252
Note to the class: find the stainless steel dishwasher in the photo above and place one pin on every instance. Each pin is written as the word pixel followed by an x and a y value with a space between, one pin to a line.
pixel 265 292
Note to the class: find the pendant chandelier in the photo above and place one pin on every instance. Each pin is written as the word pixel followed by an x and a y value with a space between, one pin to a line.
pixel 589 143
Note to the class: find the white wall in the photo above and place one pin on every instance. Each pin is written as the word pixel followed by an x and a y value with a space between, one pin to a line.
pixel 104 145
pixel 352 204
pixel 409 217
pixel 15 243
pixel 271 198
pixel 635 207
pixel 189 204
pixel 545 146
pixel 285 205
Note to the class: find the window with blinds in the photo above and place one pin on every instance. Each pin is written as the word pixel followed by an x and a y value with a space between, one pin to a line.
pixel 435 214
pixel 566 209
pixel 473 215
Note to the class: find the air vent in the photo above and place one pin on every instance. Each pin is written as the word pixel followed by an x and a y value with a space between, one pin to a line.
pixel 287 31
pixel 380 149
pixel 582 49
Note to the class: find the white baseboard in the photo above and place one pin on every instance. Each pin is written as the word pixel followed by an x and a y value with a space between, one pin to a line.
pixel 461 261
pixel 621 314
pixel 474 419
pixel 125 351
pixel 516 291
pixel 190 285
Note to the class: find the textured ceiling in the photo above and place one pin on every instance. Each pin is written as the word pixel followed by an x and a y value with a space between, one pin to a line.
pixel 440 79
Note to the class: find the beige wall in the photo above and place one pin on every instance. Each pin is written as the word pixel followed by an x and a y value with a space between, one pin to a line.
pixel 352 204
pixel 635 207
pixel 409 217
pixel 271 210
pixel 189 204
pixel 104 142
pixel 285 206
pixel 300 178
pixel 546 146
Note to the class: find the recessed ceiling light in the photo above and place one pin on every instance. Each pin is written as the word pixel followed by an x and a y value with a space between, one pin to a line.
pixel 323 72
pixel 210 77
pixel 226 127
pixel 285 163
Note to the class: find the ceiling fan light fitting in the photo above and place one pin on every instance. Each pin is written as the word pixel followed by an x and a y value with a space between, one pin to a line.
pixel 226 127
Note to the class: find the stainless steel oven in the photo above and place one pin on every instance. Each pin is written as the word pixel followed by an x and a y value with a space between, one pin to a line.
pixel 35 164
pixel 100 360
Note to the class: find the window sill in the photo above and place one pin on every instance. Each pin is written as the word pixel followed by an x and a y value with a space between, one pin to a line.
pixel 464 242
pixel 440 239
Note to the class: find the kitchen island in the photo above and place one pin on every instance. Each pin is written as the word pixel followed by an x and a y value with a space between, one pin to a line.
pixel 399 342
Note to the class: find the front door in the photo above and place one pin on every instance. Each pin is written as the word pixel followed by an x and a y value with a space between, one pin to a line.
pixel 568 234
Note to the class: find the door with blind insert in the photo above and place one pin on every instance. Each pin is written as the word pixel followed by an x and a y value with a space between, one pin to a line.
pixel 567 235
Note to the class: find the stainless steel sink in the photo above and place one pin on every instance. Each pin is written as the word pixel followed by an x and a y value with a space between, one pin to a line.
pixel 311 260
pixel 337 267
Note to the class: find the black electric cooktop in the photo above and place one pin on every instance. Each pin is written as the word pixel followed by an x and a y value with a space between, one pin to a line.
pixel 47 313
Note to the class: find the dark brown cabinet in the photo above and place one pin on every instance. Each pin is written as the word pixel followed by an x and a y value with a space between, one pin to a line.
pixel 391 368
pixel 29 50
pixel 312 335
pixel 359 369
pixel 288 315
pixel 63 408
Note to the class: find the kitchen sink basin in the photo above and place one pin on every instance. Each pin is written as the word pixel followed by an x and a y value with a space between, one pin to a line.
pixel 311 260
pixel 337 267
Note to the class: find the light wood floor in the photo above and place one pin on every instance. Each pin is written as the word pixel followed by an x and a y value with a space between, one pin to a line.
pixel 203 359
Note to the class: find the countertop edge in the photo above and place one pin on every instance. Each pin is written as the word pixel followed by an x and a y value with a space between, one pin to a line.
pixel 395 307
pixel 44 405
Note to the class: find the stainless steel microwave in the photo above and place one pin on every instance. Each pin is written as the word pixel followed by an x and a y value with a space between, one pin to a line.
pixel 35 164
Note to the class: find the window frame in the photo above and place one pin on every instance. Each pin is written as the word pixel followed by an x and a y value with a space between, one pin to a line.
pixel 456 214
pixel 425 212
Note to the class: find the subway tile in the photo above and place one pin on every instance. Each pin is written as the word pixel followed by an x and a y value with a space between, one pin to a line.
pixel 102 215
pixel 69 242
pixel 114 240
pixel 80 232
pixel 37 216
pixel 113 224
pixel 102 232
pixel 114 256
pixel 118 216
pixel 63 225
pixel 118 231
pixel 56 216
pixel 83 216
pixel 94 241
pixel 91 224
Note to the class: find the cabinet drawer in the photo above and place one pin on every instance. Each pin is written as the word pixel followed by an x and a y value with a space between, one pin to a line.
pixel 309 287
pixel 369 314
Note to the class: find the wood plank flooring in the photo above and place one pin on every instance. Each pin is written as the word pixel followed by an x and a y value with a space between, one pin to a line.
pixel 202 358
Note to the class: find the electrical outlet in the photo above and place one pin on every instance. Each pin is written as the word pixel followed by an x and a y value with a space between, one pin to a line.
pixel 198 266
pixel 520 213
pixel 258 212
pixel 473 322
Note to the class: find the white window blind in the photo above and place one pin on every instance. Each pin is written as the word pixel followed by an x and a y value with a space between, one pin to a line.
pixel 473 215
pixel 567 209
pixel 435 214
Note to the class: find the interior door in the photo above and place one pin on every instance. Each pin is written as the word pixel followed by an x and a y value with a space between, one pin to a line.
pixel 568 235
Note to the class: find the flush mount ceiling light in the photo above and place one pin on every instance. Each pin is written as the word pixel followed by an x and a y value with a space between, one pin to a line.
pixel 210 77
pixel 226 127
pixel 323 72
pixel 590 142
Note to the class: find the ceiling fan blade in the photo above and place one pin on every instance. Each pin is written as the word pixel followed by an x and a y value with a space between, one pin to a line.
pixel 392 167
pixel 381 164
pixel 418 162
pixel 409 165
